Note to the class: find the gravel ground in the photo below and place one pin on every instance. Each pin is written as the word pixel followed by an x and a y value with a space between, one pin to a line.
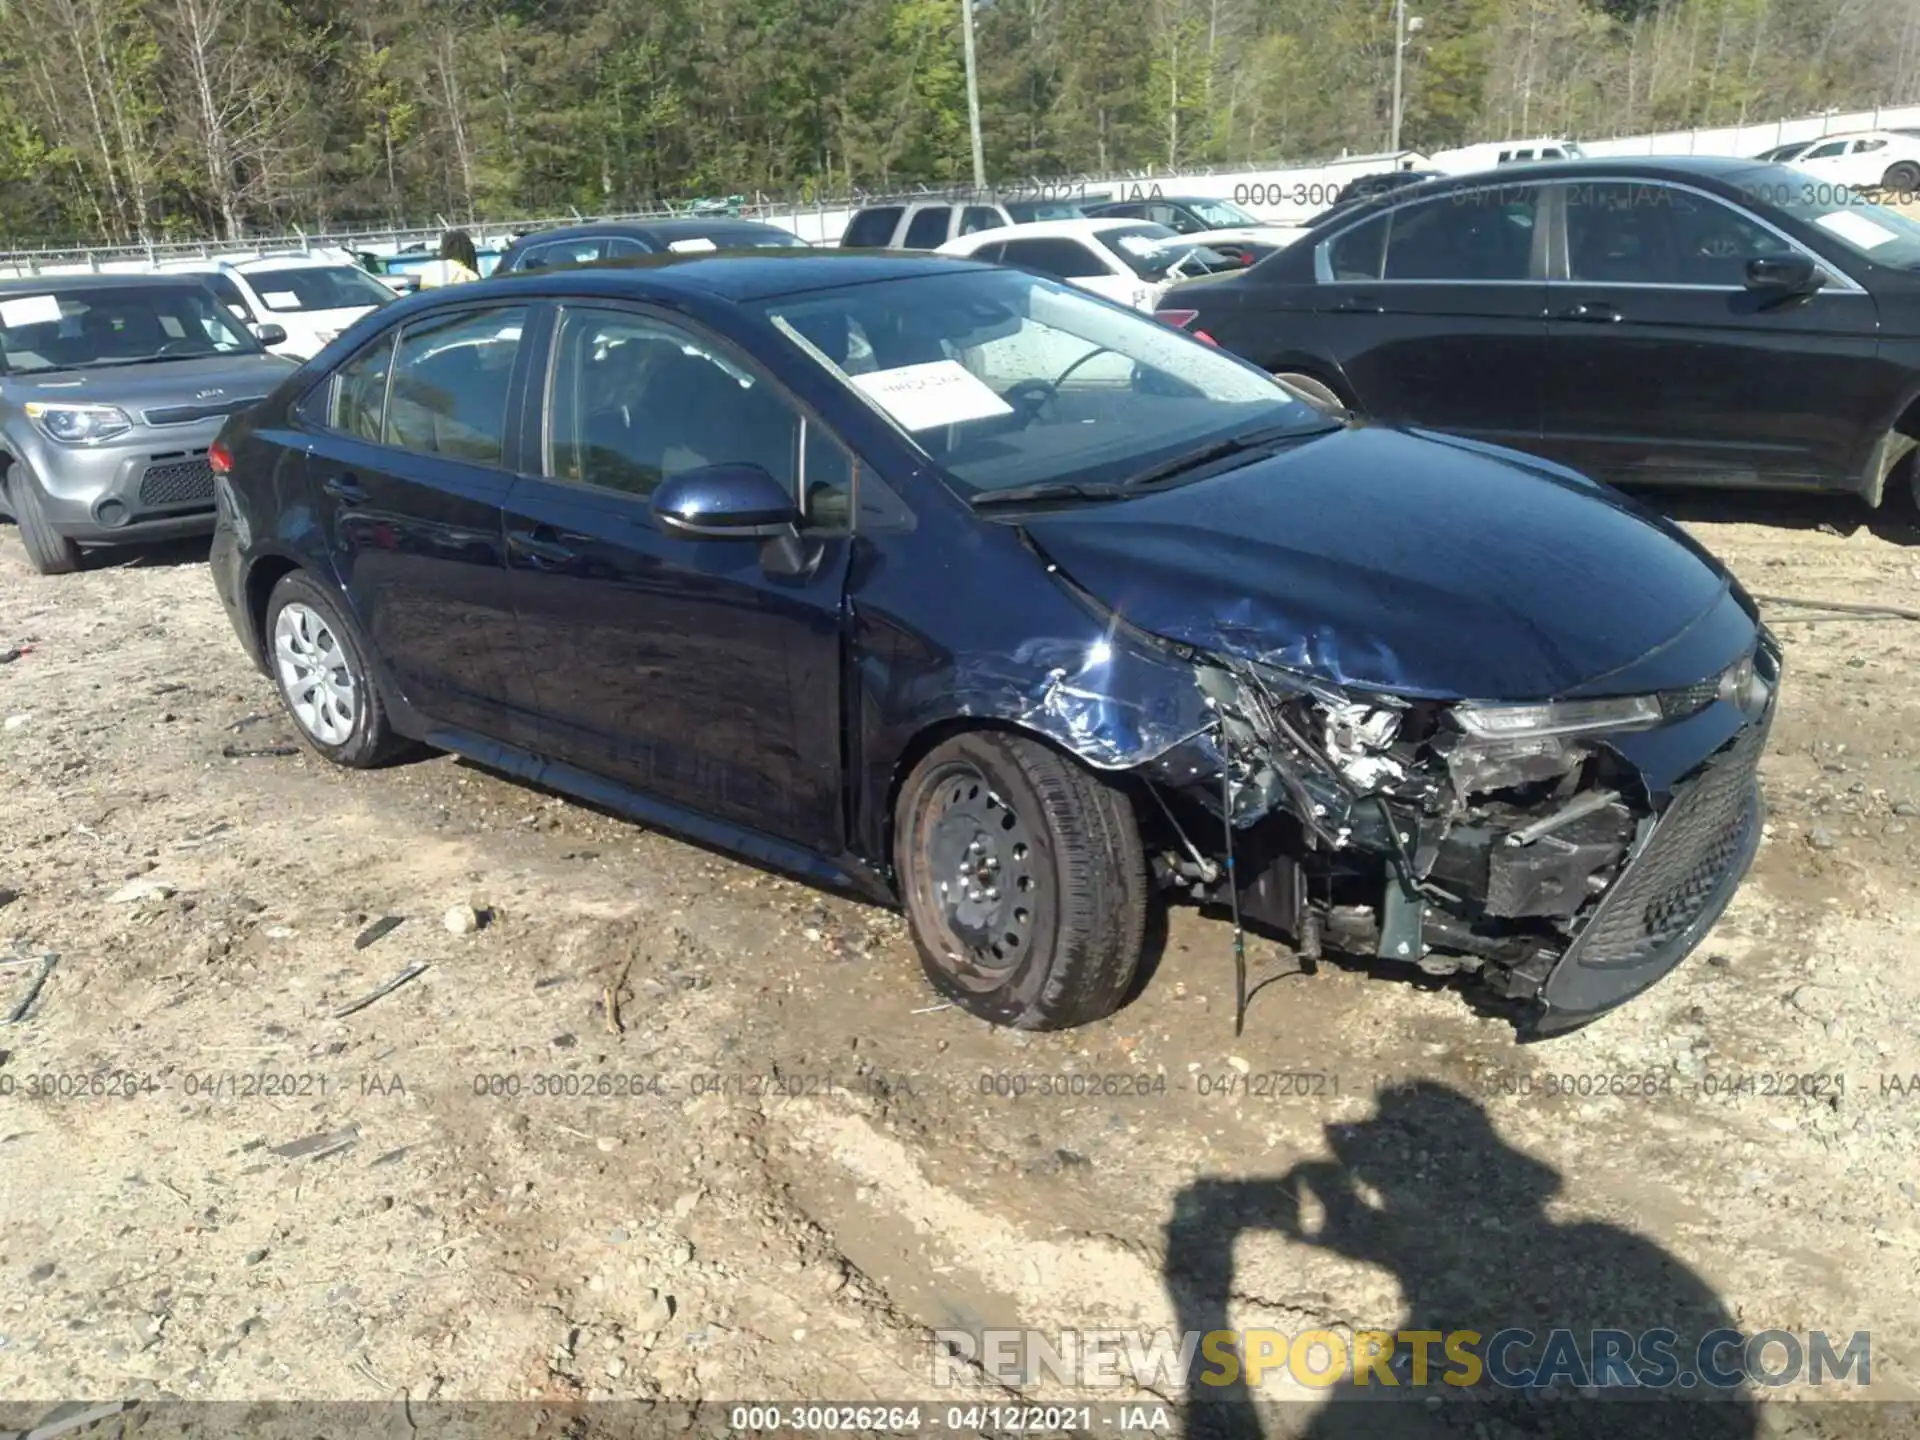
pixel 651 1123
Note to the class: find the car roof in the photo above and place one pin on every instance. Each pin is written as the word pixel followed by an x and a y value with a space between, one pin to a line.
pixel 1725 170
pixel 89 280
pixel 741 276
pixel 1078 228
pixel 693 228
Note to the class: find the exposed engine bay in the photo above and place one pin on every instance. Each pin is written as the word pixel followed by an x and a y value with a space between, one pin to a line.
pixel 1456 838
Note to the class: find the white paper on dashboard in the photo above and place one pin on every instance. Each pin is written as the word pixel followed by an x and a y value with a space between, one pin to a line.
pixel 695 244
pixel 280 300
pixel 30 310
pixel 1861 231
pixel 942 392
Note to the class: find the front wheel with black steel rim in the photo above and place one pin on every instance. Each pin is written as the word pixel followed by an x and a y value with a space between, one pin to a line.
pixel 319 663
pixel 1024 879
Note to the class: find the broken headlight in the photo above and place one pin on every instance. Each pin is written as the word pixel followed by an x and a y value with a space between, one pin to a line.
pixel 1558 717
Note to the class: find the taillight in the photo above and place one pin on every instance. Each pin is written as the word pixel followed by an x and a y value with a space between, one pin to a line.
pixel 220 458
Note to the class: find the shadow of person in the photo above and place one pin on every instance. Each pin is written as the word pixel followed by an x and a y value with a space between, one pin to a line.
pixel 1427 1190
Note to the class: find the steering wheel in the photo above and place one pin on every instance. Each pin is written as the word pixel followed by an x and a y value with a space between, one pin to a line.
pixel 173 347
pixel 1030 397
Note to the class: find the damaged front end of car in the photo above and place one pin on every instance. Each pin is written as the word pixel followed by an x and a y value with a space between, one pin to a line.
pixel 1522 847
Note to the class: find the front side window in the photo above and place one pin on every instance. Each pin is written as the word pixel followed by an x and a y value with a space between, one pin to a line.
pixel 634 400
pixel 1824 152
pixel 928 228
pixel 222 285
pixel 451 375
pixel 1626 233
pixel 978 217
pixel 622 248
pixel 1061 258
pixel 1006 378
pixel 82 327
pixel 317 287
pixel 1473 235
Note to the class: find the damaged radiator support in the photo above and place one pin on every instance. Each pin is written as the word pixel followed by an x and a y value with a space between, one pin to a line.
pixel 1379 824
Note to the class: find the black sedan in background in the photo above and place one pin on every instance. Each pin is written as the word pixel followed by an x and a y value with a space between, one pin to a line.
pixel 1691 321
pixel 989 598
pixel 593 241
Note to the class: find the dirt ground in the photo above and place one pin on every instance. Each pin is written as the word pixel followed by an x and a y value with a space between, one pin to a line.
pixel 665 1126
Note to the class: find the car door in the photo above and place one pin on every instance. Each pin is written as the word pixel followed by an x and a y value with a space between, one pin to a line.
pixel 1662 365
pixel 1434 311
pixel 703 672
pixel 408 472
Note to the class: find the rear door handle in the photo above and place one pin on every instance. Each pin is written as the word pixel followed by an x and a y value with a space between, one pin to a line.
pixel 344 487
pixel 1593 310
pixel 541 545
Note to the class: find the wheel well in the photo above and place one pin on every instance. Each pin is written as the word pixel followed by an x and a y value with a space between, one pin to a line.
pixel 261 579
pixel 1894 447
pixel 1324 374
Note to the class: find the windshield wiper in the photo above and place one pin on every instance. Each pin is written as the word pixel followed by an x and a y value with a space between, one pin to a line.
pixel 1250 444
pixel 1043 491
pixel 115 362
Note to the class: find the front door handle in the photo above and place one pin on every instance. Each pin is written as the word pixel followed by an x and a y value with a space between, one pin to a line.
pixel 1597 311
pixel 344 487
pixel 541 545
pixel 1360 305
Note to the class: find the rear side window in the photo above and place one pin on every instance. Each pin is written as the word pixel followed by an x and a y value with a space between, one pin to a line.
pixel 872 229
pixel 1063 259
pixel 928 228
pixel 450 384
pixel 1359 253
pixel 360 392
pixel 620 247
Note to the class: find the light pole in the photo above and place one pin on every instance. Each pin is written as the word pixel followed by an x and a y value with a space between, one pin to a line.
pixel 973 98
pixel 1403 26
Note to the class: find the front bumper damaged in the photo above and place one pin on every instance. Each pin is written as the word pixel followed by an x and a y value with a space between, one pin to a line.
pixel 1559 876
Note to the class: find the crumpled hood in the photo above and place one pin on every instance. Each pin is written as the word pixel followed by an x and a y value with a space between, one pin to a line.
pixel 1412 564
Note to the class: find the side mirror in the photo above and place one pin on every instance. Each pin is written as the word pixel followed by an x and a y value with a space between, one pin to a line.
pixel 1784 274
pixel 724 502
pixel 270 335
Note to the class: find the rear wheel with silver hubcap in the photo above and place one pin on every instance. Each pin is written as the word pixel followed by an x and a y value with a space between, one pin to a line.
pixel 318 661
pixel 1024 880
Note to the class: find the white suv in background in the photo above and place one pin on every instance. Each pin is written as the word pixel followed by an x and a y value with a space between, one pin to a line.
pixel 1130 261
pixel 312 297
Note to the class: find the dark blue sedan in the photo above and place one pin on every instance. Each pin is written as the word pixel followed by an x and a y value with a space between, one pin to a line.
pixel 990 599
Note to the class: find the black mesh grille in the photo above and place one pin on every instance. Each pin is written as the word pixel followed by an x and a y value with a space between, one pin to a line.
pixel 1698 840
pixel 175 483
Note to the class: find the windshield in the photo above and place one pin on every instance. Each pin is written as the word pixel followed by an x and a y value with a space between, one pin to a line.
pixel 82 328
pixel 1219 214
pixel 1007 379
pixel 317 287
pixel 1153 252
pixel 1873 232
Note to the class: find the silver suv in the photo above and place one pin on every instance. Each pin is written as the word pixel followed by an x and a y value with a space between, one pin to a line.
pixel 112 387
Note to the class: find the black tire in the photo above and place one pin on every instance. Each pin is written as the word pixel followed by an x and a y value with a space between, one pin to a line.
pixel 1903 176
pixel 1317 391
pixel 1060 948
pixel 48 551
pixel 370 740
